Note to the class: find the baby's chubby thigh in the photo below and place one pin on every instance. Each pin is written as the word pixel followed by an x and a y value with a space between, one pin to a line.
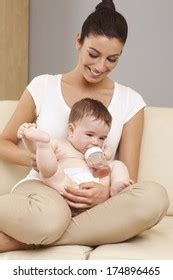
pixel 59 181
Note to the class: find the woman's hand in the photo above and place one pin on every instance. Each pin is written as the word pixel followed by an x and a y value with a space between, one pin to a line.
pixel 86 196
pixel 33 161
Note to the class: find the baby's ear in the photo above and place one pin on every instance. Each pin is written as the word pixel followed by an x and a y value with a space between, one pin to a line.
pixel 70 129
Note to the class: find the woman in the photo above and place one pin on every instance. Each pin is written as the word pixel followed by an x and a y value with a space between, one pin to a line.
pixel 37 214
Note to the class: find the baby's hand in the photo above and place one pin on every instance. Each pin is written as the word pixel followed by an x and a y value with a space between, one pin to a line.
pixel 23 128
pixel 108 153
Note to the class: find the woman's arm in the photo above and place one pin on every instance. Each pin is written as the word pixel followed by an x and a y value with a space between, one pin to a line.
pixel 25 112
pixel 129 148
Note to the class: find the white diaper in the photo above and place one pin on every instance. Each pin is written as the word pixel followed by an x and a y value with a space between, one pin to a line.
pixel 80 175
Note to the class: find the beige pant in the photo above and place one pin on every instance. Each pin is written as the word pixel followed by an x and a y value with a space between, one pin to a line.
pixel 37 214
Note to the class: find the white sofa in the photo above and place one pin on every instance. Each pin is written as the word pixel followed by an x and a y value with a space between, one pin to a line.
pixel 155 165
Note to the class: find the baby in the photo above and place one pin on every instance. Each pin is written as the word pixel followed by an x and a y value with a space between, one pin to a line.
pixel 62 162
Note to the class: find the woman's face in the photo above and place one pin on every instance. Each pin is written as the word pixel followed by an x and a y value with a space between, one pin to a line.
pixel 98 56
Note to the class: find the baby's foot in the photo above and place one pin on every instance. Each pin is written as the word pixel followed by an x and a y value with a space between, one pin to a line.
pixel 119 186
pixel 7 244
pixel 23 127
pixel 35 134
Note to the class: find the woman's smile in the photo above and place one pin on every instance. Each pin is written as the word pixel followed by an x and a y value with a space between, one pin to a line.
pixel 94 73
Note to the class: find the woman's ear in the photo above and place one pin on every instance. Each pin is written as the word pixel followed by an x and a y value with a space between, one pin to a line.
pixel 70 129
pixel 78 41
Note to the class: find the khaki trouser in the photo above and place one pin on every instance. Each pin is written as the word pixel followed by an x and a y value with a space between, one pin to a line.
pixel 36 214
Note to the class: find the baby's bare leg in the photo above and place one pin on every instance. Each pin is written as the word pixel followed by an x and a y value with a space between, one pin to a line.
pixel 59 181
pixel 46 160
pixel 45 156
pixel 119 177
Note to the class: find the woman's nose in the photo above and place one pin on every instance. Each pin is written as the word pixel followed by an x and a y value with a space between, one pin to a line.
pixel 100 66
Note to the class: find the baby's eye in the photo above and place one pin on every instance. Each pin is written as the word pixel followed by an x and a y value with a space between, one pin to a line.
pixel 103 138
pixel 89 134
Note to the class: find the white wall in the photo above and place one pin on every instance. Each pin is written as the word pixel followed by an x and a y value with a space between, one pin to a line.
pixel 146 64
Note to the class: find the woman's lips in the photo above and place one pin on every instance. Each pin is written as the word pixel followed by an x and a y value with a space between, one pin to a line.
pixel 95 73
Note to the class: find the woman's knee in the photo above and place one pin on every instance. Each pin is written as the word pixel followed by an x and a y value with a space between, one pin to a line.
pixel 54 222
pixel 154 201
pixel 46 221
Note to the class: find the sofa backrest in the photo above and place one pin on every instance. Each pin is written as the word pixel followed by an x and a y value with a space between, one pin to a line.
pixel 10 174
pixel 157 149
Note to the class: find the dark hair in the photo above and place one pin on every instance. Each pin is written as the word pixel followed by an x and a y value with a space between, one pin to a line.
pixel 90 107
pixel 105 21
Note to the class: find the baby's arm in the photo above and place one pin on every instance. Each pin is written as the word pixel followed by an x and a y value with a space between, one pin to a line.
pixel 119 177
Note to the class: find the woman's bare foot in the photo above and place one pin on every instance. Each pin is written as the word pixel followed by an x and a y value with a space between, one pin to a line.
pixel 7 243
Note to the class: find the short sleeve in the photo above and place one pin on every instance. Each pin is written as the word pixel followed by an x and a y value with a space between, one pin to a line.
pixel 37 89
pixel 134 103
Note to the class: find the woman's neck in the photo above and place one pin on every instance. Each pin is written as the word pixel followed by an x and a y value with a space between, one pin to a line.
pixel 75 78
pixel 74 87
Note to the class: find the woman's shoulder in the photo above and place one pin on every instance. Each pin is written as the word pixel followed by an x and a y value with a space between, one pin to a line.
pixel 125 90
pixel 41 86
pixel 126 102
pixel 127 94
pixel 129 100
pixel 45 77
pixel 42 82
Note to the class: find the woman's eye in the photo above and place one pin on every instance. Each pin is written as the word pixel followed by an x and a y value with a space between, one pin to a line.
pixel 112 60
pixel 93 55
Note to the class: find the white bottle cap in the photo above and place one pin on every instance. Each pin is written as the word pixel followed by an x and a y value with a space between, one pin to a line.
pixel 92 150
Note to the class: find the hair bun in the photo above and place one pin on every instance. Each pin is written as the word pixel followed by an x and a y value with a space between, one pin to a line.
pixel 106 4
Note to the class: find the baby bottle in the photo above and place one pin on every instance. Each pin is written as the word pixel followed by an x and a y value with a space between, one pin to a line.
pixel 96 160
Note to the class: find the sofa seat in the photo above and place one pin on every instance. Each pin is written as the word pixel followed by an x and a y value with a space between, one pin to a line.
pixel 153 244
pixel 73 252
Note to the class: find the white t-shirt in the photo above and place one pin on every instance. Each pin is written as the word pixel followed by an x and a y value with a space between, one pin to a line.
pixel 53 112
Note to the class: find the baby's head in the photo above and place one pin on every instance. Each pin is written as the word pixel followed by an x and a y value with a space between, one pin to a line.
pixel 89 124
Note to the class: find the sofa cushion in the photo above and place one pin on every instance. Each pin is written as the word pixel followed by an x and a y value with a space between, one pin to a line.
pixel 156 151
pixel 73 252
pixel 7 108
pixel 153 244
pixel 10 174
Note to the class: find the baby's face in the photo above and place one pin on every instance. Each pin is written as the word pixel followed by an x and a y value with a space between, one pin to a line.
pixel 87 133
